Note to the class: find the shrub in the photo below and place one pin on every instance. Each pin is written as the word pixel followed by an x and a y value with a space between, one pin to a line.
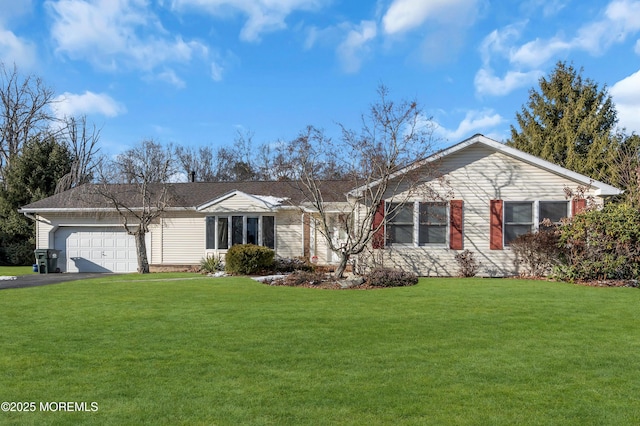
pixel 601 244
pixel 288 264
pixel 211 264
pixel 247 259
pixel 300 278
pixel 389 277
pixel 537 252
pixel 468 266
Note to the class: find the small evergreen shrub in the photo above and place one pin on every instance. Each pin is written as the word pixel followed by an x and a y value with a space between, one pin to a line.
pixel 247 259
pixel 468 266
pixel 537 252
pixel 211 264
pixel 390 277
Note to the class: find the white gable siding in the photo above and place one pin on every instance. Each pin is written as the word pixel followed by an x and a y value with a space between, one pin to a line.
pixel 238 203
pixel 477 175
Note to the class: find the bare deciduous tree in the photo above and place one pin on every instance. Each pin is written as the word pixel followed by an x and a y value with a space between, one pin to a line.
pixel 138 186
pixel 198 161
pixel 82 143
pixel 24 111
pixel 380 161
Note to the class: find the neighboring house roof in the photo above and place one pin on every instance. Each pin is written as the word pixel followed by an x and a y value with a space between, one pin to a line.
pixel 192 195
pixel 601 188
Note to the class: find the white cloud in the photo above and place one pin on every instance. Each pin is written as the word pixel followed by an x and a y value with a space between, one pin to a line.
pixel 353 50
pixel 486 83
pixel 263 16
pixel 70 104
pixel 473 122
pixel 626 95
pixel 170 76
pixel 538 52
pixel 17 50
pixel 619 20
pixel 216 71
pixel 405 15
pixel 112 34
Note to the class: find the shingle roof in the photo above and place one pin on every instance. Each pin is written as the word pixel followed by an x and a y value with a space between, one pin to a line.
pixel 187 195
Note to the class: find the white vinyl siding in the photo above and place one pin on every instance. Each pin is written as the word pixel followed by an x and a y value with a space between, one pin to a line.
pixel 478 174
pixel 183 240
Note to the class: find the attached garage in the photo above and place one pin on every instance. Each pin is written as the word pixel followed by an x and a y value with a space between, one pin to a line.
pixel 95 249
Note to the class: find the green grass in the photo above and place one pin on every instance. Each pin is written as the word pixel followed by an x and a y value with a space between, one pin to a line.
pixel 231 351
pixel 13 271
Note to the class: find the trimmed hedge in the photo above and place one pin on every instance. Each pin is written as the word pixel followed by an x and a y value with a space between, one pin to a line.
pixel 247 259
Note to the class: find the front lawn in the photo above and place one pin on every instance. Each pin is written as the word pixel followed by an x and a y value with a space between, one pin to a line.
pixel 232 351
pixel 13 271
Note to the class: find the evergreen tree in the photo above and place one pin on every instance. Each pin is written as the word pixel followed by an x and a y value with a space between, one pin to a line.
pixel 31 176
pixel 569 121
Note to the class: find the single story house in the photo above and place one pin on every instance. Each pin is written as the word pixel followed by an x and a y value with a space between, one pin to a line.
pixel 494 193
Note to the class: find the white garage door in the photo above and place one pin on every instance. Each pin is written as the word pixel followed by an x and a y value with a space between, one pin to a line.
pixel 85 249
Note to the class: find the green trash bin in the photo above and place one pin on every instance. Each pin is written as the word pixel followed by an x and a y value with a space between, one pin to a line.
pixel 47 260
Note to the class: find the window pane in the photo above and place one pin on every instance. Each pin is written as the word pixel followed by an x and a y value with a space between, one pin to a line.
pixel 268 232
pixel 210 233
pixel 401 234
pixel 252 230
pixel 554 211
pixel 433 213
pixel 433 234
pixel 518 212
pixel 236 230
pixel 223 233
pixel 400 225
pixel 512 231
pixel 401 214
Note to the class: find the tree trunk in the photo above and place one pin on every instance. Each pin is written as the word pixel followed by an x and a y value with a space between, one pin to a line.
pixel 344 259
pixel 141 249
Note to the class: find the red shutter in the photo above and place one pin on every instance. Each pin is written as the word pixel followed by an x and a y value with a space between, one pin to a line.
pixel 495 231
pixel 377 241
pixel 578 205
pixel 455 225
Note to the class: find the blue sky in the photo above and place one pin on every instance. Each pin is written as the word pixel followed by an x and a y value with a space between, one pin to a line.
pixel 195 72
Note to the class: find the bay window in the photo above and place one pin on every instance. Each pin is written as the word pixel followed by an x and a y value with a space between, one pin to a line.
pixel 224 231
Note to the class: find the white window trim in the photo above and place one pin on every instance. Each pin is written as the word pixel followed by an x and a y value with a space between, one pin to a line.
pixel 416 227
pixel 245 216
pixel 535 215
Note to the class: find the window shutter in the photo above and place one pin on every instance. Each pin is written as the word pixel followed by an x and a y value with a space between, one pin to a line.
pixel 495 231
pixel 578 205
pixel 455 225
pixel 377 241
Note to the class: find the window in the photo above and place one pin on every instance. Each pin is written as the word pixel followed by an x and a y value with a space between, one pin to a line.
pixel 521 217
pixel 433 223
pixel 210 231
pixel 237 230
pixel 252 230
pixel 223 233
pixel 554 211
pixel 400 224
pixel 229 230
pixel 268 231
pixel 518 219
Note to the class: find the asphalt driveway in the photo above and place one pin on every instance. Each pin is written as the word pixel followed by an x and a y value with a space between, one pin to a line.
pixel 36 280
